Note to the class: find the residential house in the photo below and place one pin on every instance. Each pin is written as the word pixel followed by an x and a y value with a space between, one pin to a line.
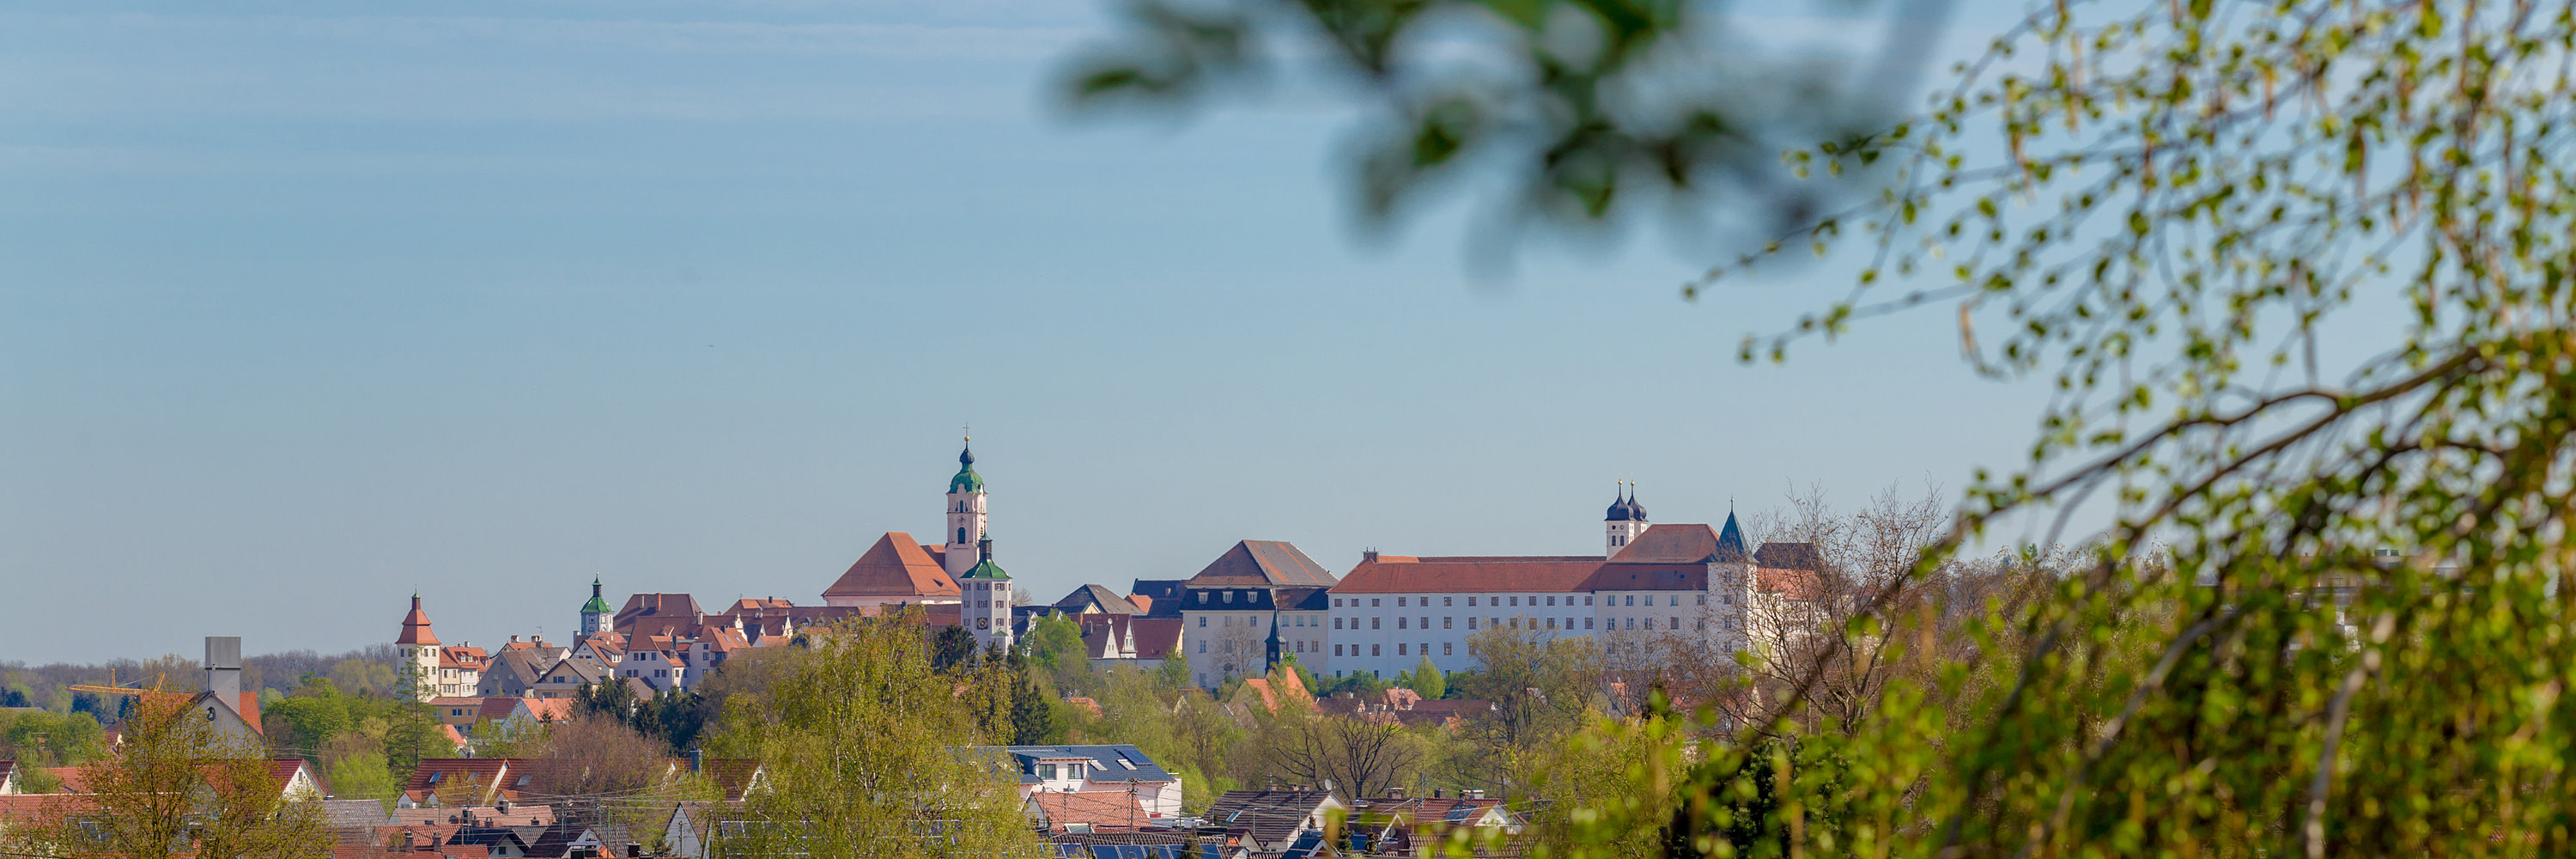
pixel 462 782
pixel 566 678
pixel 1119 770
pixel 1398 826
pixel 1272 820
pixel 1095 599
pixel 9 778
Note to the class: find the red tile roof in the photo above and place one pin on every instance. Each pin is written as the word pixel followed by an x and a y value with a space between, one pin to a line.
pixel 1651 577
pixel 656 605
pixel 1399 574
pixel 442 774
pixel 484 815
pixel 894 567
pixel 1670 544
pixel 550 709
pixel 1098 808
pixel 415 626
pixel 74 779
pixel 1794 584
pixel 43 808
pixel 1156 637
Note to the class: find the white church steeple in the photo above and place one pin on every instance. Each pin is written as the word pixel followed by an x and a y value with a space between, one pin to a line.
pixel 1627 519
pixel 965 514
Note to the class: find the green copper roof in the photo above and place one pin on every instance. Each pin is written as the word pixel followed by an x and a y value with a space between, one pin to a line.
pixel 986 570
pixel 594 606
pixel 966 480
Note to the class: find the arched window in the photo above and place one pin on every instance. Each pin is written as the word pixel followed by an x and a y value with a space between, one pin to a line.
pixel 961 536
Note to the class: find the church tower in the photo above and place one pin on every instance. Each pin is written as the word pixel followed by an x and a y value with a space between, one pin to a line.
pixel 417 675
pixel 595 613
pixel 985 606
pixel 1627 519
pixel 965 516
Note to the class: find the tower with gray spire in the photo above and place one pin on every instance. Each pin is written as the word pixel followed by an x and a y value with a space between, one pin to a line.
pixel 1627 519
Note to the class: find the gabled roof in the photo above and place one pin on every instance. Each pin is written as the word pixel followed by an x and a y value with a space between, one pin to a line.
pixel 1271 817
pixel 1789 556
pixel 1161 597
pixel 896 566
pixel 1270 563
pixel 657 605
pixel 1120 763
pixel 354 813
pixel 1096 599
pixel 434 775
pixel 1678 544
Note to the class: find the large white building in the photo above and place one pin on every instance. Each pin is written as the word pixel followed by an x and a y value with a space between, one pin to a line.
pixel 1687 581
pixel 1263 601
pixel 1258 602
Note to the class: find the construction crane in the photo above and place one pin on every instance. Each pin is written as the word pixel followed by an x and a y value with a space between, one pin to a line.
pixel 112 689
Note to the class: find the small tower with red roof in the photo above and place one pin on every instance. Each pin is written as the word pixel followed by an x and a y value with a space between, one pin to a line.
pixel 419 653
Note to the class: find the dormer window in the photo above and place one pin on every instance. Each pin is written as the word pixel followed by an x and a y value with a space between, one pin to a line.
pixel 1228 596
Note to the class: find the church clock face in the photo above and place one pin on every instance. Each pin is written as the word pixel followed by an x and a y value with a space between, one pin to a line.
pixel 983 623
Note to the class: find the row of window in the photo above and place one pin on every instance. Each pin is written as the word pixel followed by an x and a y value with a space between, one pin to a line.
pixel 1293 620
pixel 1513 601
pixel 1048 771
pixel 1400 650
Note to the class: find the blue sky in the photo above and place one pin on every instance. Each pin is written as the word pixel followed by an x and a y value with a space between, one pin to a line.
pixel 301 310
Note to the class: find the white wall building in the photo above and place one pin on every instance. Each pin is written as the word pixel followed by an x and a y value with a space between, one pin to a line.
pixel 1259 595
pixel 1694 581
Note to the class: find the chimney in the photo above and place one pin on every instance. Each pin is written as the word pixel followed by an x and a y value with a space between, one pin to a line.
pixel 223 668
pixel 1368 555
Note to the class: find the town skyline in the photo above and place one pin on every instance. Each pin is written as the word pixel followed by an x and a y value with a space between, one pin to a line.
pixel 693 312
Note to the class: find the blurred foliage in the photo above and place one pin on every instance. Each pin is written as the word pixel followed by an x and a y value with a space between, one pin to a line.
pixel 2327 619
pixel 1583 106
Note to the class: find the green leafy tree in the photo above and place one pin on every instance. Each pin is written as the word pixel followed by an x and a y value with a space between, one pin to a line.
pixel 1425 680
pixel 411 733
pixel 951 646
pixel 36 738
pixel 2296 273
pixel 1174 672
pixel 1034 720
pixel 308 721
pixel 178 786
pixel 860 743
pixel 362 777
